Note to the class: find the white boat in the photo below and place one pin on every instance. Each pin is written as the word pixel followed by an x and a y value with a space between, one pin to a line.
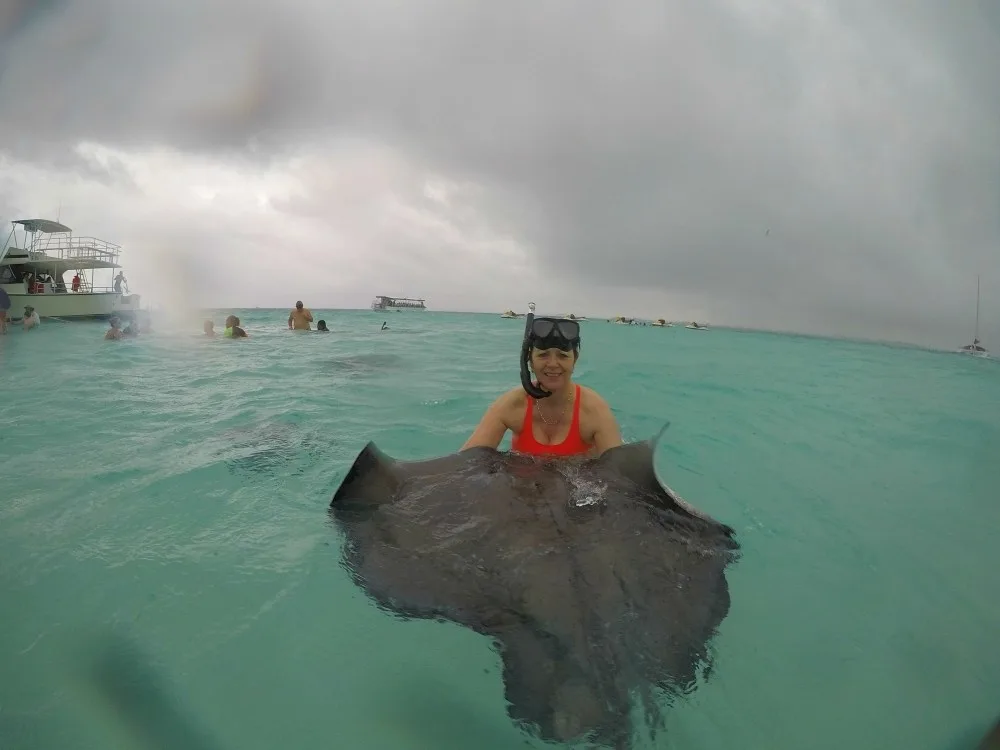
pixel 510 314
pixel 696 327
pixel 661 323
pixel 571 316
pixel 33 272
pixel 975 349
pixel 384 303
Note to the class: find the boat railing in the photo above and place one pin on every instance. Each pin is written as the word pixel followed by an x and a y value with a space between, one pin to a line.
pixel 102 290
pixel 40 287
pixel 68 248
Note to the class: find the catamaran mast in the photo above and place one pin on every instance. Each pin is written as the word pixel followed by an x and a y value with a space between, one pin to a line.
pixel 976 336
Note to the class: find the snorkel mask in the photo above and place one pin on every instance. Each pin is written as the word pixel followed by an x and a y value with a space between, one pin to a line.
pixel 545 333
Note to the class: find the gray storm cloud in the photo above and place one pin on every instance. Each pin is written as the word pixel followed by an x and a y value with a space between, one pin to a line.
pixel 812 166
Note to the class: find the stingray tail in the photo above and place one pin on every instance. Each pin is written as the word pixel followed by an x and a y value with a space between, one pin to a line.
pixel 655 440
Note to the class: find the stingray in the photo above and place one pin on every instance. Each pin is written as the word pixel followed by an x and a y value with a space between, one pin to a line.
pixel 599 585
pixel 268 448
pixel 372 362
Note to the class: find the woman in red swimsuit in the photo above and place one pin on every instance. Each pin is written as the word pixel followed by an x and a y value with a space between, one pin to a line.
pixel 550 416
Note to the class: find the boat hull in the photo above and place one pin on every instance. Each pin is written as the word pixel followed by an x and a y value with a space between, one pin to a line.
pixel 71 306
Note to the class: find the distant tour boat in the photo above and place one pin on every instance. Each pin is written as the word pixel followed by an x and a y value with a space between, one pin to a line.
pixel 32 273
pixel 382 302
pixel 509 314
pixel 696 327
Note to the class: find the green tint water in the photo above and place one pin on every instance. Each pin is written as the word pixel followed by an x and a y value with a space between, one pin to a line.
pixel 172 492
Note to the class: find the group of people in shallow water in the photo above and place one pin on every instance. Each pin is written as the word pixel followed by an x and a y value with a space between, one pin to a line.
pixel 233 329
pixel 115 330
pixel 299 319
pixel 29 320
pixel 548 414
pixel 564 420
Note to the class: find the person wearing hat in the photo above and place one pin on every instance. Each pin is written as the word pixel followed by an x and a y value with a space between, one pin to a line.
pixel 30 318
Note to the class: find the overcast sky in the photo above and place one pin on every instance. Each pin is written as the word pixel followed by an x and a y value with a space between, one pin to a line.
pixel 827 167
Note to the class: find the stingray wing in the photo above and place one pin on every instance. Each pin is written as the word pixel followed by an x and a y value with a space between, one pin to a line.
pixel 631 468
pixel 423 537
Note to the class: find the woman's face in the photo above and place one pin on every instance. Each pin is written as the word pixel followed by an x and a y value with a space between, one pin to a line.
pixel 552 367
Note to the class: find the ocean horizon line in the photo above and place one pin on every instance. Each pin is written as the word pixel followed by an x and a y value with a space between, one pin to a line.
pixel 897 343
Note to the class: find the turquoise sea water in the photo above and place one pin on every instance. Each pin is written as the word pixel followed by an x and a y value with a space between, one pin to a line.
pixel 171 492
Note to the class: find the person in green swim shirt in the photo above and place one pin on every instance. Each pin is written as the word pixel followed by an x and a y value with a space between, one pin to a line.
pixel 233 330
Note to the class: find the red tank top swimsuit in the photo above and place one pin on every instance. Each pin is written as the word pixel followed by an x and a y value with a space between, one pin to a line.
pixel 573 445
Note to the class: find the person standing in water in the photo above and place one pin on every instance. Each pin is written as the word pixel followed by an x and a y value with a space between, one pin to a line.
pixel 551 416
pixel 115 330
pixel 30 319
pixel 299 318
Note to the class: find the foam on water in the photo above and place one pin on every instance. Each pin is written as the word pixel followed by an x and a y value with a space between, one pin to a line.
pixel 173 491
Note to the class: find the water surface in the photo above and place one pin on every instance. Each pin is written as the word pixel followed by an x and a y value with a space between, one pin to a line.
pixel 171 492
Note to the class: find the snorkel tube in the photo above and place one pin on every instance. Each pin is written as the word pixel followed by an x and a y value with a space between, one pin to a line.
pixel 533 390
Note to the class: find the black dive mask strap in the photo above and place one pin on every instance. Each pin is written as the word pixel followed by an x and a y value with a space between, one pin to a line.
pixel 530 388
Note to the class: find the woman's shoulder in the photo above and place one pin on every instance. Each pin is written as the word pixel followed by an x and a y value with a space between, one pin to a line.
pixel 591 400
pixel 513 398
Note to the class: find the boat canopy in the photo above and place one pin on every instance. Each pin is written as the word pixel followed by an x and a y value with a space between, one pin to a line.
pixel 42 225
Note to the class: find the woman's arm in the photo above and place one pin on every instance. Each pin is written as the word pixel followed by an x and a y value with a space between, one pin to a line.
pixel 492 427
pixel 606 432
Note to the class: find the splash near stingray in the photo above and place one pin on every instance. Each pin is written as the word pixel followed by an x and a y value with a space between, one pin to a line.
pixel 599 585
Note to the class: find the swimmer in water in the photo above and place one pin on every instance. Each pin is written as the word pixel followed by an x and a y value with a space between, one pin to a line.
pixel 321 326
pixel 209 328
pixel 115 331
pixel 30 319
pixel 384 326
pixel 552 415
pixel 233 330
pixel 300 318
